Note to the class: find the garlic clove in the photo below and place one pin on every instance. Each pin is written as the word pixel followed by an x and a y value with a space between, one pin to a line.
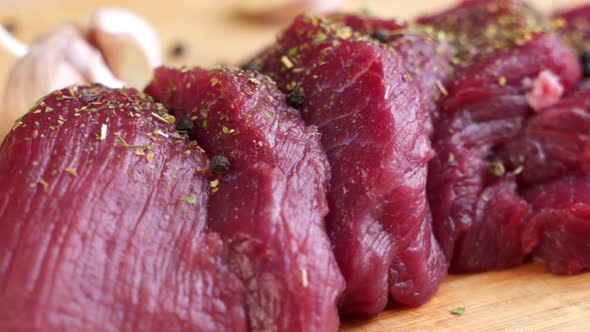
pixel 89 62
pixel 283 10
pixel 129 45
pixel 15 46
pixel 62 58
pixel 116 46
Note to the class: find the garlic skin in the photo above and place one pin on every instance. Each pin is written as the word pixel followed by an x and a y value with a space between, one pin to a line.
pixel 283 11
pixel 15 46
pixel 63 58
pixel 129 45
pixel 115 48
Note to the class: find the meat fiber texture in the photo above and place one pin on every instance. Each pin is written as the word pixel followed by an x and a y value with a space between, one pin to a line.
pixel 502 52
pixel 478 29
pixel 553 151
pixel 103 222
pixel 270 204
pixel 427 55
pixel 371 120
pixel 554 143
pixel 559 230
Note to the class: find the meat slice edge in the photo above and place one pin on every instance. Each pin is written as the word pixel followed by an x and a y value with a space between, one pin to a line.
pixel 103 221
pixel 371 119
pixel 270 202
pixel 427 55
pixel 559 230
pixel 505 55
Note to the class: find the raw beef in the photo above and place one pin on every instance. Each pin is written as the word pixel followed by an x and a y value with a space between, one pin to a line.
pixel 559 229
pixel 103 222
pixel 270 202
pixel 371 120
pixel 555 146
pixel 464 168
pixel 427 55
pixel 554 143
pixel 501 46
pixel 501 219
pixel 479 29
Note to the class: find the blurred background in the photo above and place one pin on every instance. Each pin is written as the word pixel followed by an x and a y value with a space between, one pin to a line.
pixel 192 32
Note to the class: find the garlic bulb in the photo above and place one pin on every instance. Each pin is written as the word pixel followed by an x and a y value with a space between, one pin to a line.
pixel 61 59
pixel 283 10
pixel 129 44
pixel 10 43
pixel 103 53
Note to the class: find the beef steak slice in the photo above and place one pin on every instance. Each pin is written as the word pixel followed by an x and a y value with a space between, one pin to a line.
pixel 270 202
pixel 103 221
pixel 559 229
pixel 371 119
pixel 427 55
pixel 503 52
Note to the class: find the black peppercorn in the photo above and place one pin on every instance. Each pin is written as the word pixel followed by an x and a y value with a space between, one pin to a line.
pixel 249 66
pixel 295 99
pixel 89 98
pixel 219 165
pixel 585 62
pixel 381 36
pixel 184 124
pixel 178 50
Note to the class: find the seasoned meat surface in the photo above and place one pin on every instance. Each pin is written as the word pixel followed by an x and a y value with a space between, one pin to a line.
pixel 372 124
pixel 505 59
pixel 427 55
pixel 270 200
pixel 103 222
pixel 559 230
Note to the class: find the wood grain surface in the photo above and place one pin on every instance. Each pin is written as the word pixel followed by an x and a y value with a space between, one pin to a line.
pixel 524 299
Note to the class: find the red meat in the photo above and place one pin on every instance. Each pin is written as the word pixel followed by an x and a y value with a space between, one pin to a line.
pixel 461 172
pixel 103 222
pixel 370 116
pixel 501 216
pixel 427 55
pixel 502 49
pixel 554 143
pixel 559 229
pixel 271 201
pixel 499 44
pixel 479 29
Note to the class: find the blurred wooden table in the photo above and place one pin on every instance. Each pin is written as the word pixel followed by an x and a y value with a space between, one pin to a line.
pixel 525 299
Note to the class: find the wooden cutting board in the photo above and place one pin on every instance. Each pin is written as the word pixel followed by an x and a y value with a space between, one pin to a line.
pixel 524 299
